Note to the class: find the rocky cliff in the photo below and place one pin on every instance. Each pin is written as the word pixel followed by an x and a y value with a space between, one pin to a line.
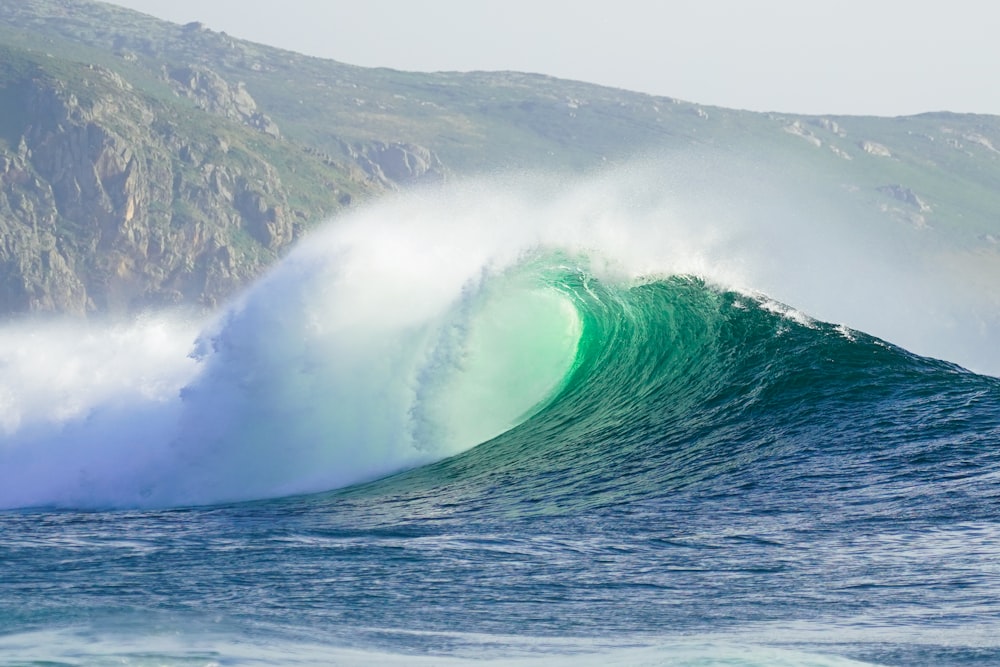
pixel 112 200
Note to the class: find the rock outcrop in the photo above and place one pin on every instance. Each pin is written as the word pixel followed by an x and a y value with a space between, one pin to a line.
pixel 395 164
pixel 216 95
pixel 111 201
pixel 874 148
pixel 905 195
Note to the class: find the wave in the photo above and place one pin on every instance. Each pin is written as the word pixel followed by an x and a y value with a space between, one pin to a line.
pixel 683 388
pixel 566 321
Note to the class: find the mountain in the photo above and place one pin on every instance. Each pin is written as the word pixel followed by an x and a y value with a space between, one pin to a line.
pixel 146 163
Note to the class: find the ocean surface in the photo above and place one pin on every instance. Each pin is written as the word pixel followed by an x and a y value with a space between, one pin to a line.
pixel 490 428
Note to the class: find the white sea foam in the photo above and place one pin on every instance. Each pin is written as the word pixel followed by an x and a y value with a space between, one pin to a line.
pixel 211 650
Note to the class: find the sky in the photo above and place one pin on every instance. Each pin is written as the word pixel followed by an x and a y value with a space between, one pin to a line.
pixel 861 57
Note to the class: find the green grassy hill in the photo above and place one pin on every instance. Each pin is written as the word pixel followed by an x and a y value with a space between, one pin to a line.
pixel 236 148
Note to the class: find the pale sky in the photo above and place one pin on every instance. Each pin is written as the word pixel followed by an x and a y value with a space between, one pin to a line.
pixel 881 57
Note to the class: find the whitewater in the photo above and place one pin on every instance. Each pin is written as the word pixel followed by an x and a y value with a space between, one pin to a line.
pixel 671 414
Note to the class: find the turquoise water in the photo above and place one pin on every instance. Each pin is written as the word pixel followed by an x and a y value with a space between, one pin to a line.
pixel 530 461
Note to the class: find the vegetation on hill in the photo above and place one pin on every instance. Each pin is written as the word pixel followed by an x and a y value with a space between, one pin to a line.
pixel 144 162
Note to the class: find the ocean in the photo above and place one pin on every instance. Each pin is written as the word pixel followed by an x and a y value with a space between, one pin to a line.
pixel 623 422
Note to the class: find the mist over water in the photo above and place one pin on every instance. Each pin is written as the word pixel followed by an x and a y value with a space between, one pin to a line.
pixel 385 339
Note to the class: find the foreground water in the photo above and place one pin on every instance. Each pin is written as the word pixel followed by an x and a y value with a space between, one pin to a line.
pixel 545 462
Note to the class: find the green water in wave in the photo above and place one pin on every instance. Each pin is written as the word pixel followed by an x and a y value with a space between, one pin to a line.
pixel 677 385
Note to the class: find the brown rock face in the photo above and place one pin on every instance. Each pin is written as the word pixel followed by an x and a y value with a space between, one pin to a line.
pixel 111 201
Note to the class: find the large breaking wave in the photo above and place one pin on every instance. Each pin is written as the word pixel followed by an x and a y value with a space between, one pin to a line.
pixel 429 323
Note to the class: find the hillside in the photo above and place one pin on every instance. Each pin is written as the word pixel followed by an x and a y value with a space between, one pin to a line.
pixel 144 163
